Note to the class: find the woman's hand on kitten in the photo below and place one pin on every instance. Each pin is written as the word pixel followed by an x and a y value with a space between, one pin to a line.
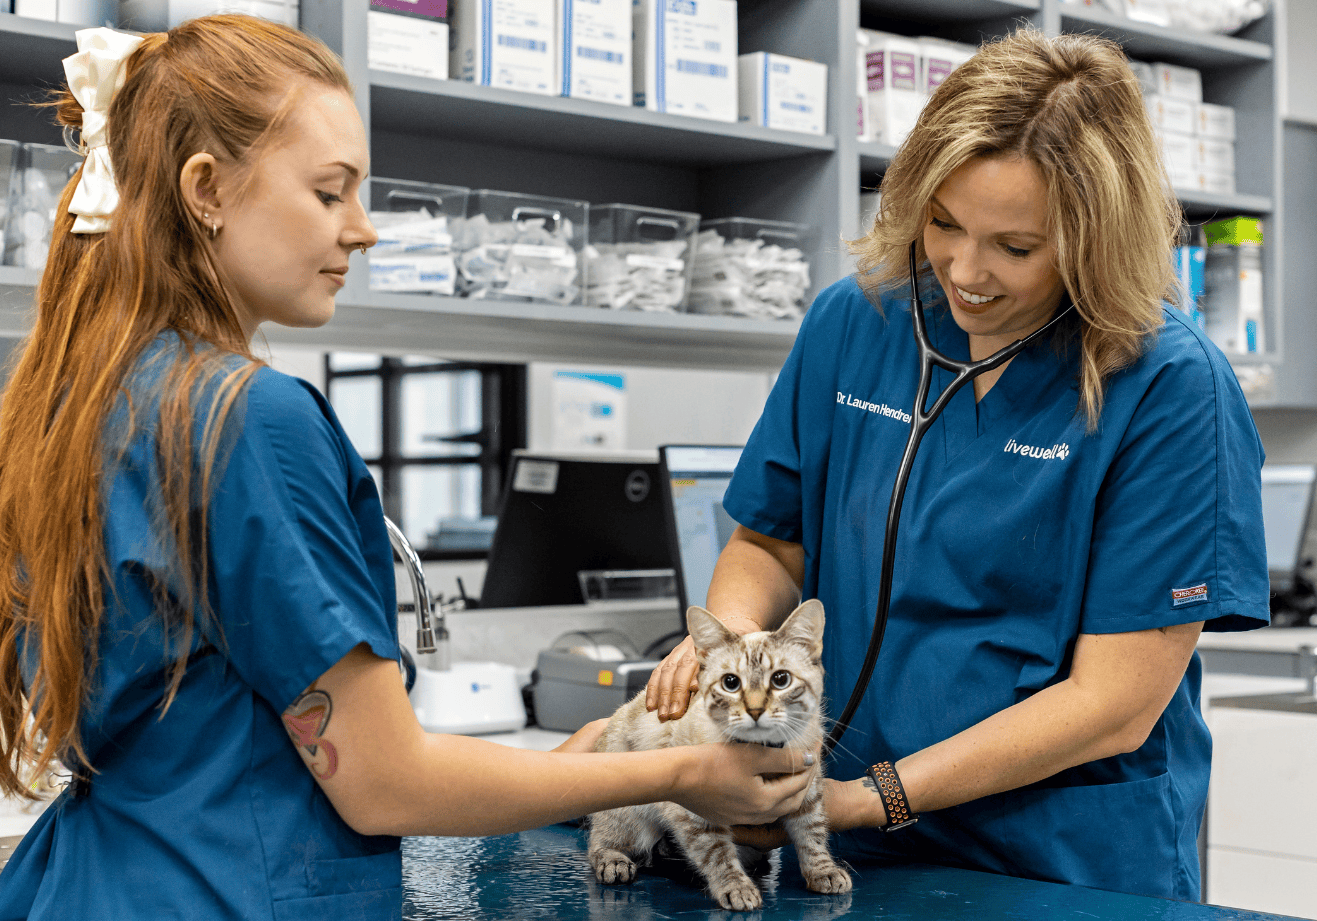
pixel 673 682
pixel 585 738
pixel 741 784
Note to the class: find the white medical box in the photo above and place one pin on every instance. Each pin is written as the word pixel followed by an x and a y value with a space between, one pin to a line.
pixel 685 57
pixel 407 45
pixel 1179 151
pixel 1213 156
pixel 1214 121
pixel 1170 114
pixel 863 128
pixel 937 59
pixel 892 73
pixel 1232 299
pixel 1178 82
pixel 594 50
pixel 159 15
pixel 505 43
pixel 781 92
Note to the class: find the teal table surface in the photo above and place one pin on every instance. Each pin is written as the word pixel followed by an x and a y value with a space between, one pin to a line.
pixel 544 874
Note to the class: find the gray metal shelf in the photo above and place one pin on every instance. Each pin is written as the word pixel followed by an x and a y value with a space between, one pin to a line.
pixel 1156 43
pixel 487 330
pixel 949 10
pixel 483 114
pixel 31 50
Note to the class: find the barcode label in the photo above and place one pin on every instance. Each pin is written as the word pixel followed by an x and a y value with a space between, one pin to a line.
pixel 598 54
pixel 525 44
pixel 536 476
pixel 703 69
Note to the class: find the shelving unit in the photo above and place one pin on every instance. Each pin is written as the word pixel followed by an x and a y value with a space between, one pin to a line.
pixel 451 132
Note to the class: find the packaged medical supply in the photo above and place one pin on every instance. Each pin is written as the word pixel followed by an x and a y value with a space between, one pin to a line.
pixel 937 59
pixel 1233 285
pixel 9 153
pixel 1154 12
pixel 751 268
pixel 415 221
pixel 863 128
pixel 432 10
pixel 639 258
pixel 159 15
pixel 892 72
pixel 521 247
pixel 685 57
pixel 1190 256
pixel 1213 121
pixel 1179 151
pixel 75 12
pixel 1178 82
pixel 781 92
pixel 407 45
pixel 42 173
pixel 1170 114
pixel 1213 156
pixel 506 43
pixel 870 204
pixel 37 9
pixel 594 42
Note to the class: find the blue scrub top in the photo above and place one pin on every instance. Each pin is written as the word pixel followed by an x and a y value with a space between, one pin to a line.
pixel 1020 531
pixel 208 812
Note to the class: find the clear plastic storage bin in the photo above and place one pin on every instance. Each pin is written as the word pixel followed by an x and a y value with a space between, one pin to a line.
pixel 639 258
pixel 416 222
pixel 8 172
pixel 521 247
pixel 42 173
pixel 751 268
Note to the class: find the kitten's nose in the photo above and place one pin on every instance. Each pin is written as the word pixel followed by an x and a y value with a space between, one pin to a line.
pixel 755 712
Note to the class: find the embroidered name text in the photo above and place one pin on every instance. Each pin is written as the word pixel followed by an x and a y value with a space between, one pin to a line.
pixel 1055 452
pixel 881 409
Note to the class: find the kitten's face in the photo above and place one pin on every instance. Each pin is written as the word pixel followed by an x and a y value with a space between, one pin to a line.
pixel 764 687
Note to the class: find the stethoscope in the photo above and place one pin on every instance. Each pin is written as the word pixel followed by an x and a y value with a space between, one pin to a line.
pixel 921 422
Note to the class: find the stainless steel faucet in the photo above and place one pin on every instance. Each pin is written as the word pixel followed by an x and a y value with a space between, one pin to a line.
pixel 426 629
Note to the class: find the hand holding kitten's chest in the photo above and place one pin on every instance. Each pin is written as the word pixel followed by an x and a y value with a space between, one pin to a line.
pixel 764 688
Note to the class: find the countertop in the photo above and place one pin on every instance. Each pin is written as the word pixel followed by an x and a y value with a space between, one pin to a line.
pixel 1265 639
pixel 544 874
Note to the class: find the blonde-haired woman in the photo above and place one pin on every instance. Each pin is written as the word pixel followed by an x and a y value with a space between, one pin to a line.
pixel 1072 522
pixel 198 614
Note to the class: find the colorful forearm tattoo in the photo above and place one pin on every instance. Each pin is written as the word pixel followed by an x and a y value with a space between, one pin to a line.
pixel 306 720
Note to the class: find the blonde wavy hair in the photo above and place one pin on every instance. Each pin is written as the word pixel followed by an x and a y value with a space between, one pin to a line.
pixel 1073 107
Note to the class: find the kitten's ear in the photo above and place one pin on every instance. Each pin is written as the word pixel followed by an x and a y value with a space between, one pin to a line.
pixel 706 630
pixel 804 626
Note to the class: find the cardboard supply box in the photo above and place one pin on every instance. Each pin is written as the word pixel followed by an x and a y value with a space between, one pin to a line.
pixel 1233 285
pixel 1213 121
pixel 937 59
pixel 1170 114
pixel 1178 82
pixel 160 15
pixel 506 43
pixel 594 47
pixel 685 57
pixel 892 73
pixel 863 129
pixel 781 92
pixel 407 45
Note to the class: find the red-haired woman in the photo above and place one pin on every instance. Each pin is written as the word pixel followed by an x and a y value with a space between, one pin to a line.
pixel 198 587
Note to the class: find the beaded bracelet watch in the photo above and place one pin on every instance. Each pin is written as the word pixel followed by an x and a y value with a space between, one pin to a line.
pixel 888 786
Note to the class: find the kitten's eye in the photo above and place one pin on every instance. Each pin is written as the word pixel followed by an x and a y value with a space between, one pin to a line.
pixel 781 679
pixel 731 683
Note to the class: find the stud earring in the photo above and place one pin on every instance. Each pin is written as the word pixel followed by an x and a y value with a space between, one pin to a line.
pixel 213 229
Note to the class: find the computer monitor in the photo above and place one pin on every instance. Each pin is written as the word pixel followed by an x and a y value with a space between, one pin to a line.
pixel 694 478
pixel 565 513
pixel 1286 502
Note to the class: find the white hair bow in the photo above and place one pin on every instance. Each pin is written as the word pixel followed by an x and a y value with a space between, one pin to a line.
pixel 95 74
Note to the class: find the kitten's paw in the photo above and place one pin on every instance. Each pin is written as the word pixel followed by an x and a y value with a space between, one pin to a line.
pixel 828 879
pixel 740 896
pixel 614 868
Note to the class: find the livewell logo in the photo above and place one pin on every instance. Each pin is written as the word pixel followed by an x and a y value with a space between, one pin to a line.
pixel 1055 452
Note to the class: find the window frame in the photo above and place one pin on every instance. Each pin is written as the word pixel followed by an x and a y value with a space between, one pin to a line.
pixel 503 429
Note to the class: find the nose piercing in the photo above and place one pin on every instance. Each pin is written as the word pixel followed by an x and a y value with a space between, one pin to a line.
pixel 363 249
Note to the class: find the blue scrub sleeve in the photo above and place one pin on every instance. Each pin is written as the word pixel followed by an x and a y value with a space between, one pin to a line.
pixel 296 536
pixel 765 492
pixel 1177 533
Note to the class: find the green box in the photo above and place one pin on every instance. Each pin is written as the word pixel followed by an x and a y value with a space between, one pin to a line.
pixel 1233 231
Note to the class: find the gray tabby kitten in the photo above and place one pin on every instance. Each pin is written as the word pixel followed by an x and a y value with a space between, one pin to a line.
pixel 762 688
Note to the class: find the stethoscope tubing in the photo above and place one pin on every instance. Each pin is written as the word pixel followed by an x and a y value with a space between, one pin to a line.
pixel 921 421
